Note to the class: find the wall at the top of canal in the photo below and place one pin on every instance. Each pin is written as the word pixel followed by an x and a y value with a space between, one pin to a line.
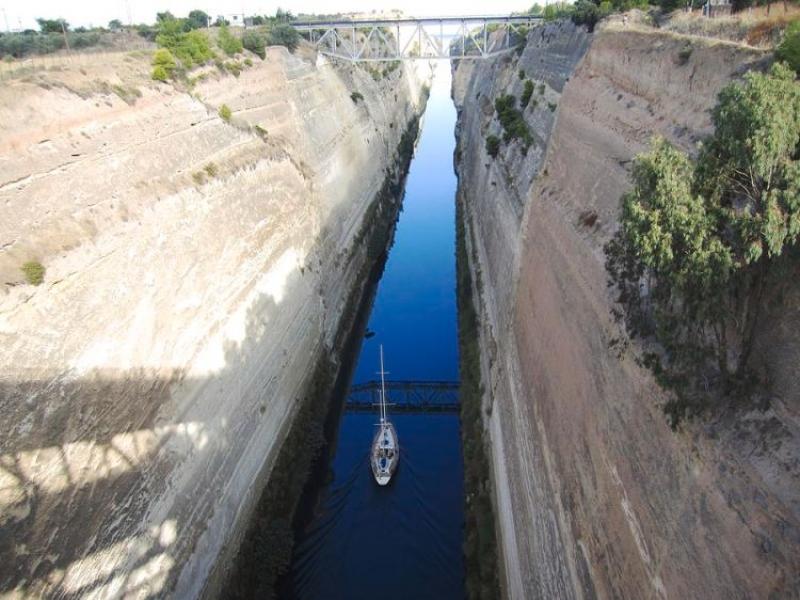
pixel 197 269
pixel 595 495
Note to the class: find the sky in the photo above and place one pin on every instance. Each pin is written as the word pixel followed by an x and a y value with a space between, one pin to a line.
pixel 20 14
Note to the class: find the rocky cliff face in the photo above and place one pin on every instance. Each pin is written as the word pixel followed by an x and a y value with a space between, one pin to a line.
pixel 197 271
pixel 595 495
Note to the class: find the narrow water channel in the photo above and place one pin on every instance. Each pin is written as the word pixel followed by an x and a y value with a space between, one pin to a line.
pixel 405 540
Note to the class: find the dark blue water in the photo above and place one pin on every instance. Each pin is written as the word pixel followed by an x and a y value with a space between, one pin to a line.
pixel 403 541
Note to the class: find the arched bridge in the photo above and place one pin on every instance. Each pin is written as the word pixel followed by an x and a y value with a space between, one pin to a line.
pixel 405 396
pixel 385 40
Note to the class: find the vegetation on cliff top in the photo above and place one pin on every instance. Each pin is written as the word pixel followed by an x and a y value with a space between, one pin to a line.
pixel 703 243
pixel 789 49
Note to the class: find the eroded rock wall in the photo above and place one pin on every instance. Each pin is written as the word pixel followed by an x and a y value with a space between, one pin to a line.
pixel 595 495
pixel 196 273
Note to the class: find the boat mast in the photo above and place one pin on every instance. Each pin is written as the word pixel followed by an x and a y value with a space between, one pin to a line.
pixel 383 391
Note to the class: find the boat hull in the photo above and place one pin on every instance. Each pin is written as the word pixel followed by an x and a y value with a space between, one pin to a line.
pixel 385 455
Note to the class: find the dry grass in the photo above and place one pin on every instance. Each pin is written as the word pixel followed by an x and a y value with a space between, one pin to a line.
pixel 751 27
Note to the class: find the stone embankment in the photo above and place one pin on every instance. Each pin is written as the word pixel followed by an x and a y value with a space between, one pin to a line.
pixel 595 496
pixel 197 273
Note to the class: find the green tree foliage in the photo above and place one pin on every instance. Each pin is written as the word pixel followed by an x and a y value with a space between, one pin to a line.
pixel 159 73
pixel 356 96
pixel 527 92
pixel 702 240
pixel 228 42
pixel 190 48
pixel 492 145
pixel 52 25
pixel 557 10
pixel 255 42
pixel 284 35
pixel 514 125
pixel 225 113
pixel 789 48
pixel 197 19
pixel 115 25
pixel 34 272
pixel 163 65
pixel 586 12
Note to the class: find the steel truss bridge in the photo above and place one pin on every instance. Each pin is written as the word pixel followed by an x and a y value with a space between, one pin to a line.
pixel 385 40
pixel 405 396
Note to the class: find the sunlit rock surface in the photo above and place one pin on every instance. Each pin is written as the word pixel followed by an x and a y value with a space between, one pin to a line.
pixel 196 272
pixel 595 495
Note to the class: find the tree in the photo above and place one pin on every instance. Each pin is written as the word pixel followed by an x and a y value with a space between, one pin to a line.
pixel 52 25
pixel 283 16
pixel 221 21
pixel 789 48
pixel 190 48
pixel 699 240
pixel 255 42
pixel 284 35
pixel 229 43
pixel 115 24
pixel 198 19
pixel 165 16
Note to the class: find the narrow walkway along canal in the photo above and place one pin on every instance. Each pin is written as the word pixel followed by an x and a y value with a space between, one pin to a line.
pixel 405 540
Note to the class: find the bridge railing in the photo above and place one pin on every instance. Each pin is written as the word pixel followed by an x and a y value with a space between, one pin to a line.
pixel 428 38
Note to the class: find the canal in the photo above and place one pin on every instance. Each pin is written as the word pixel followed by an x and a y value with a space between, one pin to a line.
pixel 405 540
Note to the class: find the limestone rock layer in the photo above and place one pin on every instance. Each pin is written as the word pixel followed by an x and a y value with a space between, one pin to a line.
pixel 595 495
pixel 196 273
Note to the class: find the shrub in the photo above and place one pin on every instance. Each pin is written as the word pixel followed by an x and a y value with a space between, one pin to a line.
pixel 789 48
pixel 492 145
pixel 234 68
pixel 684 55
pixel 225 113
pixel 163 65
pixel 541 89
pixel 159 74
pixel 34 272
pixel 526 94
pixel 514 125
pixel 190 48
pixel 284 35
pixel 356 96
pixel 521 74
pixel 551 106
pixel 211 169
pixel 228 42
pixel 255 42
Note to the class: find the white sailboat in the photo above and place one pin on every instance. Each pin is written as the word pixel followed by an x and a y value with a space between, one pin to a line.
pixel 385 454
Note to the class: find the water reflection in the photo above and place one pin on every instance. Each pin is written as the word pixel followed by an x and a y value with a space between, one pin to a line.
pixel 403 541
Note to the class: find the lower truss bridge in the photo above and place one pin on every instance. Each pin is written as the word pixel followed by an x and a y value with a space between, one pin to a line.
pixel 384 40
pixel 405 396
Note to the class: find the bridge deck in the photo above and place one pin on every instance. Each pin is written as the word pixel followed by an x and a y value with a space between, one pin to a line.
pixel 450 20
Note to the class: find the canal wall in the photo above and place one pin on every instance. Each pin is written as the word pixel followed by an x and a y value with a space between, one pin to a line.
pixel 202 274
pixel 594 495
